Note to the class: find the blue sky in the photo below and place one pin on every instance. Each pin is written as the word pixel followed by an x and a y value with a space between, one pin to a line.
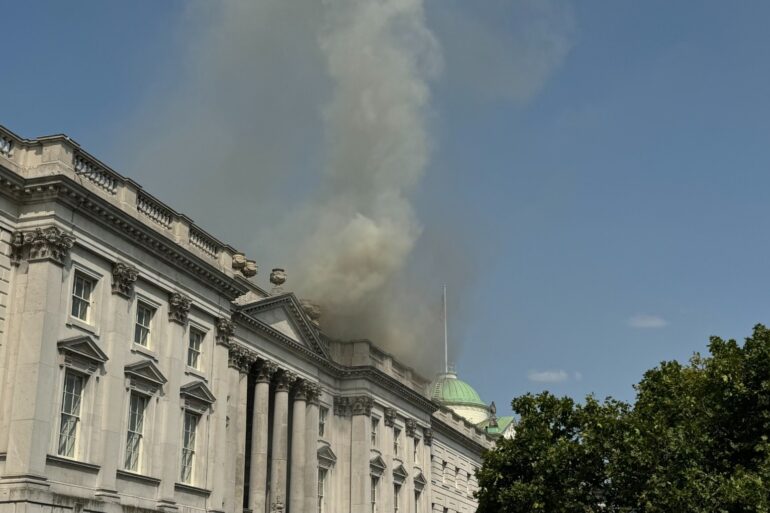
pixel 606 195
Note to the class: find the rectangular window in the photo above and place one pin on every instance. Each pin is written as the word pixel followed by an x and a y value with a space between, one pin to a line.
pixel 375 482
pixel 136 408
pixel 396 440
pixel 82 290
pixel 70 413
pixel 416 501
pixel 322 413
pixel 375 425
pixel 457 478
pixel 416 450
pixel 188 446
pixel 396 497
pixel 443 472
pixel 194 348
pixel 321 489
pixel 144 315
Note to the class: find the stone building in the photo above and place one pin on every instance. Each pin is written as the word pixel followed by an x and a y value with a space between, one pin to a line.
pixel 143 369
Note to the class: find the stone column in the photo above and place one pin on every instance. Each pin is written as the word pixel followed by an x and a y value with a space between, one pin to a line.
pixel 259 438
pixel 170 403
pixel 385 500
pixel 360 477
pixel 280 448
pixel 219 380
pixel 236 355
pixel 297 476
pixel 113 382
pixel 311 451
pixel 35 330
pixel 240 462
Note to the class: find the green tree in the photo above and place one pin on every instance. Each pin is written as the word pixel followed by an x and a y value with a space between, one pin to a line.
pixel 695 440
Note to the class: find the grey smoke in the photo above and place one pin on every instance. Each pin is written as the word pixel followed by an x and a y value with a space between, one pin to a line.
pixel 300 132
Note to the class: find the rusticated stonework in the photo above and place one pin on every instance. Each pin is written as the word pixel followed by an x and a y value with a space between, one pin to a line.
pixel 225 330
pixel 123 278
pixel 178 307
pixel 41 244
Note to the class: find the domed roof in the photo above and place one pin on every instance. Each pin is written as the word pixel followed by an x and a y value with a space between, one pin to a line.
pixel 449 390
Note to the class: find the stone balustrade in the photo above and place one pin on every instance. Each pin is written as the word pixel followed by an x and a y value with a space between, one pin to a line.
pixel 96 174
pixel 59 155
pixel 203 242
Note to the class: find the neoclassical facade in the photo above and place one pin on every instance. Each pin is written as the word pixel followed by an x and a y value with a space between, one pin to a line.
pixel 143 369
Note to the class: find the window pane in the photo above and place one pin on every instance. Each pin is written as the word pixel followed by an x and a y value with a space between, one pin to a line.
pixel 70 413
pixel 81 297
pixel 144 316
pixel 188 446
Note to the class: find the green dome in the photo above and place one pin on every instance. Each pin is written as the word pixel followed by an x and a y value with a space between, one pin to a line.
pixel 450 390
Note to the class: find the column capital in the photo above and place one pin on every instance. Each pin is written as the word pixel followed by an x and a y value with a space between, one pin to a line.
pixel 314 394
pixel 411 427
pixel 427 436
pixel 390 417
pixel 361 405
pixel 265 371
pixel 283 380
pixel 123 278
pixel 178 307
pixel 41 244
pixel 225 330
pixel 240 358
pixel 300 390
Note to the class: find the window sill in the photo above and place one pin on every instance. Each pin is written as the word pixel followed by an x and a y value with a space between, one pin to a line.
pixel 74 322
pixel 127 474
pixel 184 487
pixel 192 371
pixel 137 348
pixel 72 463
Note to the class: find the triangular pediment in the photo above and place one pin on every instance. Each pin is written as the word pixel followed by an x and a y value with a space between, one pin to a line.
pixel 283 318
pixel 198 390
pixel 377 465
pixel 400 473
pixel 147 371
pixel 84 347
pixel 420 481
pixel 326 457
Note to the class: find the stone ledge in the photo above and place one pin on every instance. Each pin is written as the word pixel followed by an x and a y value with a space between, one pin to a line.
pixel 126 474
pixel 68 462
pixel 183 487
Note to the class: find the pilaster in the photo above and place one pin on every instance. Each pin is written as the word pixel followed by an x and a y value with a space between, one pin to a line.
pixel 311 448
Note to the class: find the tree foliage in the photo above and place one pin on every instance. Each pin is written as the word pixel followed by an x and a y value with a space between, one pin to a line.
pixel 695 440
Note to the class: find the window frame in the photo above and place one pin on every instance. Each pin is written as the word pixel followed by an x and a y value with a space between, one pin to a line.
pixel 397 441
pixel 375 483
pixel 142 435
pixel 195 330
pixel 142 303
pixel 323 413
pixel 75 448
pixel 94 310
pixel 375 431
pixel 189 478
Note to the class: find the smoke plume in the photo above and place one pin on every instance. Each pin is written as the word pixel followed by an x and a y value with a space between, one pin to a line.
pixel 299 131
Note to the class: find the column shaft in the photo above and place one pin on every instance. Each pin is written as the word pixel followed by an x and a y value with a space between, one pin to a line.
pixel 297 492
pixel 259 439
pixel 278 465
pixel 311 452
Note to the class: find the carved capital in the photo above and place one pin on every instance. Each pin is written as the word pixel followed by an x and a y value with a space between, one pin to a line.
pixel 314 393
pixel 265 371
pixel 283 380
pixel 178 307
pixel 361 405
pixel 411 427
pixel 123 278
pixel 342 406
pixel 427 436
pixel 41 244
pixel 225 330
pixel 240 358
pixel 300 390
pixel 390 417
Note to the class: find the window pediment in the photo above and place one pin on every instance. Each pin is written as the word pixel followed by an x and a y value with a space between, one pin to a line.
pixel 82 353
pixel 326 457
pixel 144 376
pixel 419 482
pixel 197 393
pixel 400 474
pixel 377 466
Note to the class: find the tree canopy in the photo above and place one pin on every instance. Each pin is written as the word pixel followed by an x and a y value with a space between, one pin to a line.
pixel 695 440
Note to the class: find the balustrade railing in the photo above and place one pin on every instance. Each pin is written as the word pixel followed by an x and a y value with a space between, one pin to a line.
pixel 154 210
pixel 203 242
pixel 95 174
